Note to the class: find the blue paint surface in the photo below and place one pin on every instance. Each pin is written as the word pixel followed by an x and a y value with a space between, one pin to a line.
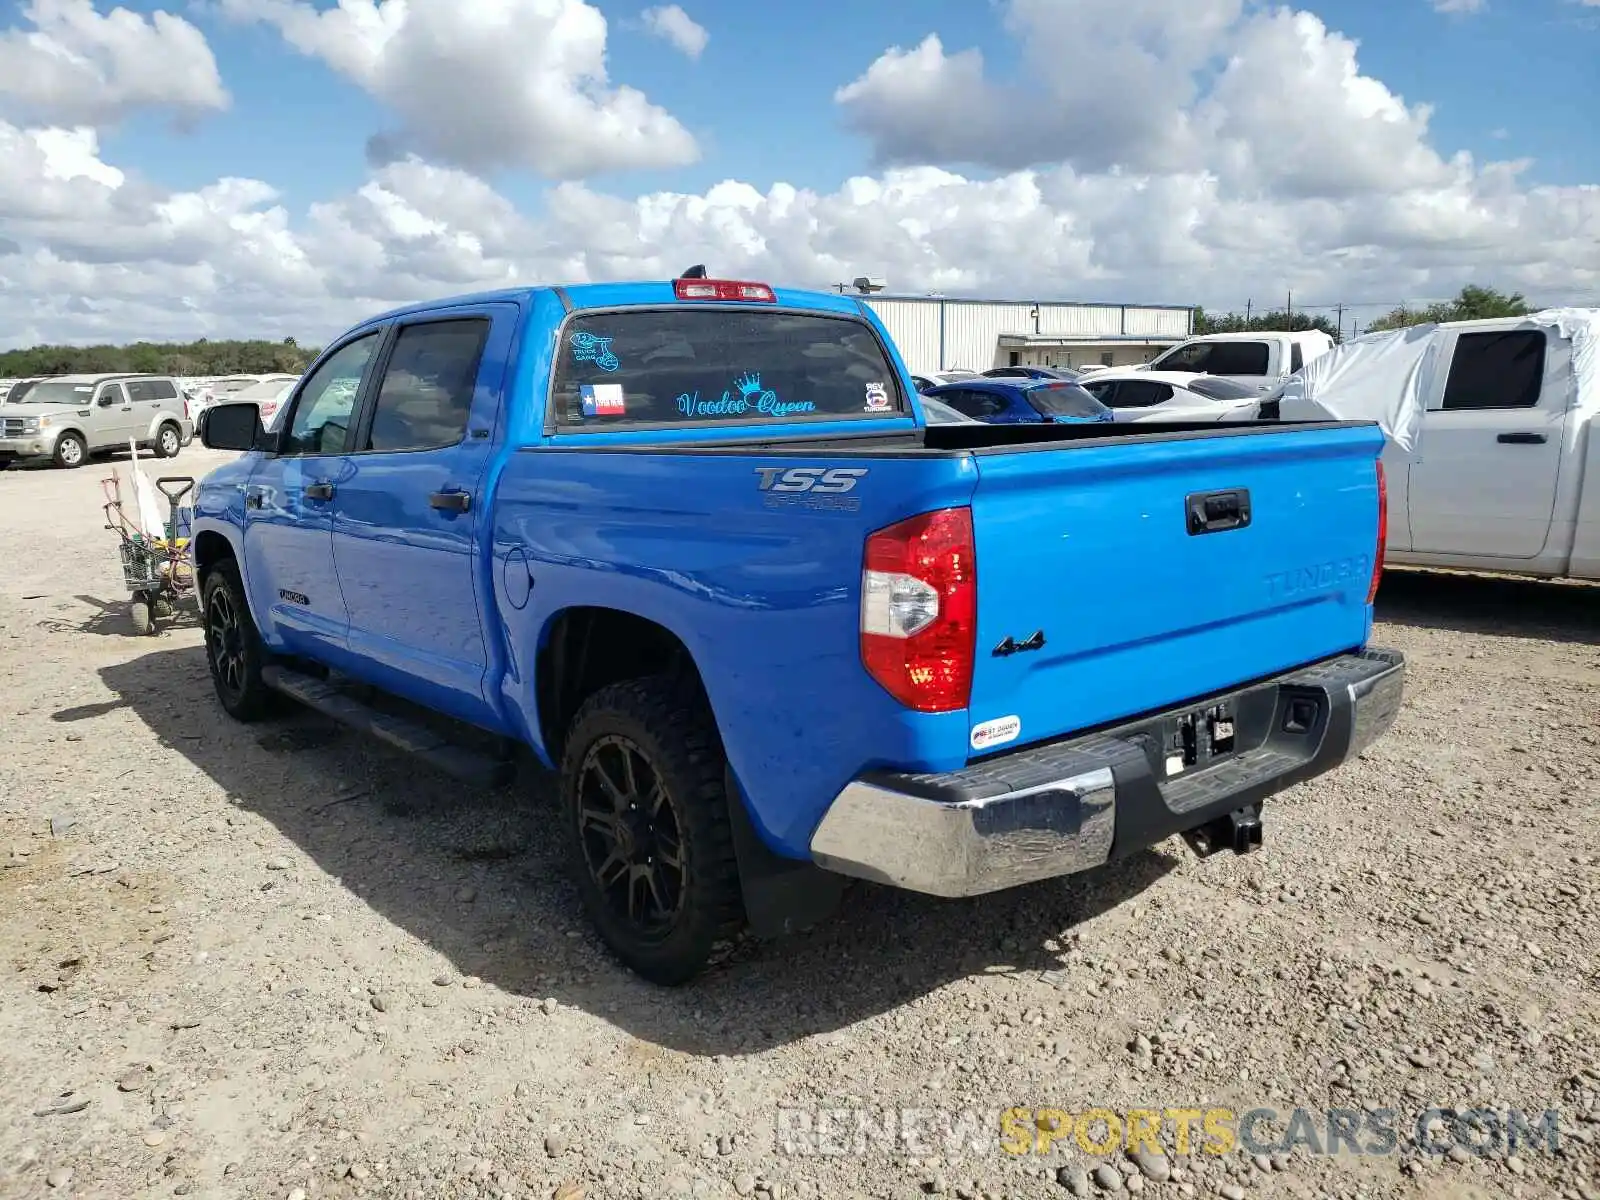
pixel 1087 542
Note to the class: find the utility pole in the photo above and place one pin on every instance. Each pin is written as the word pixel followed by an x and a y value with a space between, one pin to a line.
pixel 1288 308
pixel 1339 309
pixel 1249 306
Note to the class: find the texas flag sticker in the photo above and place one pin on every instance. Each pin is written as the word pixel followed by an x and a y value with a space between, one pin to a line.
pixel 603 400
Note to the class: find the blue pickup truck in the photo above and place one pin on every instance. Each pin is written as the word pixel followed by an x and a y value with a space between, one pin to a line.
pixel 693 544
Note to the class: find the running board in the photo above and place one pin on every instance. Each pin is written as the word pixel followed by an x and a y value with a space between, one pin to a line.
pixel 459 762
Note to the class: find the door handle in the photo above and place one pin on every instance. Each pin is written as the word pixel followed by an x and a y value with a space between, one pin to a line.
pixel 319 491
pixel 1217 512
pixel 450 501
pixel 1522 439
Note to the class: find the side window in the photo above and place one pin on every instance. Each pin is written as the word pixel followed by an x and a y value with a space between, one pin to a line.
pixel 111 395
pixel 427 387
pixel 1496 370
pixel 1296 359
pixel 151 389
pixel 322 412
pixel 1139 394
pixel 1237 358
pixel 1185 358
pixel 974 404
pixel 1106 393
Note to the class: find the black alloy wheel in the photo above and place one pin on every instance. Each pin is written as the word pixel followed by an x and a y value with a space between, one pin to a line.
pixel 632 837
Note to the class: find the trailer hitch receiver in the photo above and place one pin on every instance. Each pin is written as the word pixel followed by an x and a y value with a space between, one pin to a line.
pixel 1239 831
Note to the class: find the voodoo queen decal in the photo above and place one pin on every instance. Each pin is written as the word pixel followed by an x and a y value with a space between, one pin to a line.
pixel 591 347
pixel 748 396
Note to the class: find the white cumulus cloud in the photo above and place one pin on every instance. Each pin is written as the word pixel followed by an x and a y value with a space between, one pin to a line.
pixel 671 23
pixel 1255 157
pixel 486 84
pixel 77 66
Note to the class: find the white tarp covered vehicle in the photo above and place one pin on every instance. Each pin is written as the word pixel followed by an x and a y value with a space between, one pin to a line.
pixel 1493 460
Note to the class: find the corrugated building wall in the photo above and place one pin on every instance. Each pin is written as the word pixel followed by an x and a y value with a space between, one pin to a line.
pixel 938 333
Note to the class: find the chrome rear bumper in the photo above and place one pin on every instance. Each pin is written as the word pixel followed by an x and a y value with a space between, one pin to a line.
pixel 1068 806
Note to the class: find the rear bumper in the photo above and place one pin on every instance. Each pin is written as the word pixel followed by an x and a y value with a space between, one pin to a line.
pixel 1069 806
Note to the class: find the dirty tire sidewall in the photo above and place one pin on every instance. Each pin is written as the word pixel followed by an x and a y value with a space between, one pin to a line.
pixel 143 619
pixel 250 699
pixel 71 451
pixel 169 440
pixel 677 735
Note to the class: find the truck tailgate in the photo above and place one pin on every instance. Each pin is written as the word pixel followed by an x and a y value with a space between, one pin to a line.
pixel 1117 579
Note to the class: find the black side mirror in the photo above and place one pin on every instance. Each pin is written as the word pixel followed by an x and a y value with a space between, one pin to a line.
pixel 235 426
pixel 105 401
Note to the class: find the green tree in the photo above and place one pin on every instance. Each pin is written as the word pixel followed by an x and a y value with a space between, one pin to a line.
pixel 1267 322
pixel 200 357
pixel 1474 303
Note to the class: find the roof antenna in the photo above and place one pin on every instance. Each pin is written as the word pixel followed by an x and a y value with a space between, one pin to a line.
pixel 698 271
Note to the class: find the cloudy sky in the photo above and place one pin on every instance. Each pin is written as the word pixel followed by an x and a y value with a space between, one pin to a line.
pixel 284 167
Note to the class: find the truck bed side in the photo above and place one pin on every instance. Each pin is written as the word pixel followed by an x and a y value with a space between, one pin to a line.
pixel 765 597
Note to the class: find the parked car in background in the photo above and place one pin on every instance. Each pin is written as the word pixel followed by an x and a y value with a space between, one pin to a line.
pixel 1006 653
pixel 1133 395
pixel 228 387
pixel 1261 360
pixel 1494 452
pixel 1021 401
pixel 270 394
pixel 67 418
pixel 17 389
pixel 1067 374
pixel 937 412
pixel 939 378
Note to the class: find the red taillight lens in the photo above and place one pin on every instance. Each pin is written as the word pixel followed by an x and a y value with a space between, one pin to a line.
pixel 723 289
pixel 1383 534
pixel 919 609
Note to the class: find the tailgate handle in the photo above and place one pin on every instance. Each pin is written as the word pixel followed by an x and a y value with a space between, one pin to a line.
pixel 1217 512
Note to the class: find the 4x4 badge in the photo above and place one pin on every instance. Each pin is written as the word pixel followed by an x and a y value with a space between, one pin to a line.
pixel 1011 646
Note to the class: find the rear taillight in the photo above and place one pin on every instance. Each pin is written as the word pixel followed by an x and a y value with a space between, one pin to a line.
pixel 1383 534
pixel 723 289
pixel 919 609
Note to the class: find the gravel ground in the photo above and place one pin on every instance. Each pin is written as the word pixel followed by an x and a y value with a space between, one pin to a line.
pixel 282 961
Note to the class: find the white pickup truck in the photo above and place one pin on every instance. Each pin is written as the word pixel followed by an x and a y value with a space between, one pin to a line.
pixel 1259 360
pixel 1493 461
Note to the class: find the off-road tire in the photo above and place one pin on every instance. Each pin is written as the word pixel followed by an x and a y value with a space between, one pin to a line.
pixel 243 695
pixel 672 730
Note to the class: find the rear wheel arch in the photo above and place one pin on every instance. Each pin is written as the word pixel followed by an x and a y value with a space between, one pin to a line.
pixel 586 648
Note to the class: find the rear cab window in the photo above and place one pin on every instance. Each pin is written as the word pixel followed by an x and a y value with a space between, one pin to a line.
pixel 687 367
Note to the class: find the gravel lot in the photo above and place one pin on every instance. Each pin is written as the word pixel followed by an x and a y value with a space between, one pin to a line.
pixel 282 961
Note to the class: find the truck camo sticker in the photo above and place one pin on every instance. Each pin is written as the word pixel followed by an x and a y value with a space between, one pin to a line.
pixel 751 397
pixel 591 347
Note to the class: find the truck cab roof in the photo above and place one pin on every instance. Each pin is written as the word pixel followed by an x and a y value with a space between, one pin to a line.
pixel 611 295
pixel 615 295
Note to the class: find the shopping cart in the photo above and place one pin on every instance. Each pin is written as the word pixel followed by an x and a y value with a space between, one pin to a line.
pixel 157 571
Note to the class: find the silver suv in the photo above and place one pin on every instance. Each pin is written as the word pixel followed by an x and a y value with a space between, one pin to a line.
pixel 69 417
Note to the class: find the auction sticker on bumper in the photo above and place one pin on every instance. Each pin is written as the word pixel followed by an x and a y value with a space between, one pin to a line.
pixel 996 733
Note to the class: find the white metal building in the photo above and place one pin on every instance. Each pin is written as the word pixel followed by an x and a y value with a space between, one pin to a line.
pixel 938 333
